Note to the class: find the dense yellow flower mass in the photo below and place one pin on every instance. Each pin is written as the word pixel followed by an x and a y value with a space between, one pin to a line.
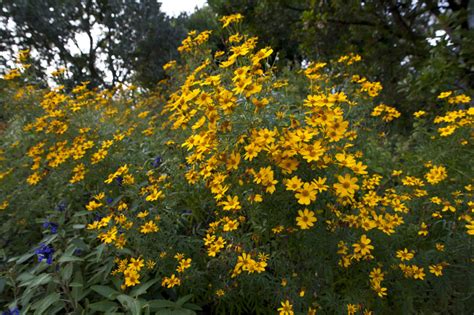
pixel 247 173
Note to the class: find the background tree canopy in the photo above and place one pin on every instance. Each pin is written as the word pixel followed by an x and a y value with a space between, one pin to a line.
pixel 127 39
pixel 415 48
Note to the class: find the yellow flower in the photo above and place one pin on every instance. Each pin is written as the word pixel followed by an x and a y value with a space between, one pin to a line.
pixel 396 172
pixel 4 205
pixel 34 178
pixel 293 183
pixel 231 225
pixel 143 214
pixel 419 113
pixel 363 247
pixel 423 229
pixel 261 54
pixel 306 219
pixel 436 174
pixel 150 264
pixel 232 203
pixel 131 278
pixel 381 291
pixel 470 227
pixel 444 94
pixel 347 186
pixel 352 309
pixel 170 282
pixel 149 227
pixel 233 161
pixel 92 205
pixel 306 194
pixel 109 236
pixel 437 270
pixel 136 264
pixel 228 19
pixel 286 308
pixel 251 151
pixel 446 131
pixel 312 152
pixel 418 272
pixel 405 255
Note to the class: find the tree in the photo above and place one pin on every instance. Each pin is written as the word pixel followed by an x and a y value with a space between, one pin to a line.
pixel 126 39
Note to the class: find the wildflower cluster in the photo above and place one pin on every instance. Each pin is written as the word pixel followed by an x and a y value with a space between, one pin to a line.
pixel 228 183
pixel 454 119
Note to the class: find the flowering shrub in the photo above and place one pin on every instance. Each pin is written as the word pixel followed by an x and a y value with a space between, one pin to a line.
pixel 254 191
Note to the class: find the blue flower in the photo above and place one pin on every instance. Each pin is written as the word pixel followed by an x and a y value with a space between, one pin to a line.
pixel 109 200
pixel 13 311
pixel 53 226
pixel 157 162
pixel 119 180
pixel 61 206
pixel 45 252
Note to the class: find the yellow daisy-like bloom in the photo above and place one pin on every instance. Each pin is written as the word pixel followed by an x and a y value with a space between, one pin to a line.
pixel 363 247
pixel 306 194
pixel 405 255
pixel 149 227
pixel 227 20
pixel 306 219
pixel 293 183
pixel 437 270
pixel 131 278
pixel 418 272
pixel 444 94
pixel 352 309
pixel 347 186
pixel 436 174
pixel 171 281
pixel 419 113
pixel 286 308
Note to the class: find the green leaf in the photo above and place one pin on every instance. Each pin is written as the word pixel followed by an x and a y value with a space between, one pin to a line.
pixel 2 284
pixel 79 243
pixel 77 285
pixel 184 299
pixel 105 291
pixel 133 305
pixel 191 306
pixel 66 272
pixel 100 251
pixel 42 305
pixel 23 258
pixel 142 289
pixel 104 306
pixel 179 311
pixel 25 276
pixel 81 213
pixel 158 304
pixel 67 258
pixel 41 279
